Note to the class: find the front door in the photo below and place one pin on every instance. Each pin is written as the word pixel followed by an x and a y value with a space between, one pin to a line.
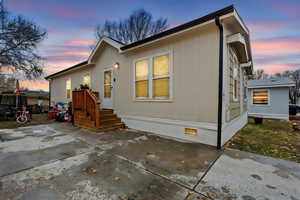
pixel 107 102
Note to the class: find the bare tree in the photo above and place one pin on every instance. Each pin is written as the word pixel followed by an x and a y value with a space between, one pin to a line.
pixel 260 74
pixel 295 76
pixel 19 38
pixel 139 25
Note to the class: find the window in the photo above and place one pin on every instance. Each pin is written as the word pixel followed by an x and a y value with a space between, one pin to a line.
pixel 260 97
pixel 107 84
pixel 235 90
pixel 161 77
pixel 68 88
pixel 245 86
pixel 141 79
pixel 234 65
pixel 86 80
pixel 152 78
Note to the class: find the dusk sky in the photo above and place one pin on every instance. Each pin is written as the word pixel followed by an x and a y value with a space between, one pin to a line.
pixel 274 27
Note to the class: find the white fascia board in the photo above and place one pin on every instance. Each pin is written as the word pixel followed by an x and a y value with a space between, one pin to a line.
pixel 245 65
pixel 171 35
pixel 71 70
pixel 271 86
pixel 237 17
pixel 240 21
pixel 107 40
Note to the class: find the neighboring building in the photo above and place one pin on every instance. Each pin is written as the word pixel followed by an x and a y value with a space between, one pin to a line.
pixel 170 83
pixel 269 98
pixel 7 84
pixel 38 98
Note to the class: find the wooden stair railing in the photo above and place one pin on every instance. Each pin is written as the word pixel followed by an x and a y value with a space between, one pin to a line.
pixel 87 103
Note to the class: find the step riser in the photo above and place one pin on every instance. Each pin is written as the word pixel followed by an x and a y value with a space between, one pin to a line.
pixel 108 121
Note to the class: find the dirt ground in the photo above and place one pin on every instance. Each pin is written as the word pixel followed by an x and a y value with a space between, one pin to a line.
pixel 59 161
pixel 36 120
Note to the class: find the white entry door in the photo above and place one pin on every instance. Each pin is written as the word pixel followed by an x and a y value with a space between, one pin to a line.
pixel 108 86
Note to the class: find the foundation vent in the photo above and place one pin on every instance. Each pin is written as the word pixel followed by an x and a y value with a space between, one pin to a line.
pixel 191 131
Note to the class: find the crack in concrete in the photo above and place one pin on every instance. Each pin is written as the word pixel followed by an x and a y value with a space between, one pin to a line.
pixel 156 174
pixel 211 165
pixel 96 148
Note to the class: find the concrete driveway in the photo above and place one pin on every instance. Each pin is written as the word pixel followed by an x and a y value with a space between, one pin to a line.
pixel 58 161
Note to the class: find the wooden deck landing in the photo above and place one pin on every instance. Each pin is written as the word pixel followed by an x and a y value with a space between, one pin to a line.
pixel 87 112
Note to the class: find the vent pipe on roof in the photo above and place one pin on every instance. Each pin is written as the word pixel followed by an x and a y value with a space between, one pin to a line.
pixel 220 93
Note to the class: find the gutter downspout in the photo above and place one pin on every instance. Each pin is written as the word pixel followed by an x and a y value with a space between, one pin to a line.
pixel 220 93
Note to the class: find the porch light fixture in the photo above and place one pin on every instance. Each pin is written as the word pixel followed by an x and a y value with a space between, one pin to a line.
pixel 117 65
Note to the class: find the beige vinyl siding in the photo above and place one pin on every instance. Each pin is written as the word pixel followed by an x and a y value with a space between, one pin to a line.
pixel 194 86
pixel 58 85
pixel 194 57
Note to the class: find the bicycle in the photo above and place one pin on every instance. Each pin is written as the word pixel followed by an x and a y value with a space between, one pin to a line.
pixel 23 117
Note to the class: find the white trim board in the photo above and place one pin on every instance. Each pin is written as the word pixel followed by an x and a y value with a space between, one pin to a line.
pixel 269 116
pixel 169 128
pixel 271 86
pixel 207 132
pixel 170 35
pixel 108 41
pixel 232 127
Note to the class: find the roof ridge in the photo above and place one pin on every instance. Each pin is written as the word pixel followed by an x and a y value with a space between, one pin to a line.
pixel 183 26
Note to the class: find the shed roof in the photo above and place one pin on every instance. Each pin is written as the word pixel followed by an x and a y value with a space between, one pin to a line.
pixel 268 83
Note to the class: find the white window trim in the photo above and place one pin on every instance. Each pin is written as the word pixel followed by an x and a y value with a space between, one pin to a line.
pixel 150 77
pixel 230 50
pixel 68 79
pixel 89 73
pixel 269 97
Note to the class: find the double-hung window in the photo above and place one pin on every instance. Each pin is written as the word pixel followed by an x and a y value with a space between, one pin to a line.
pixel 142 79
pixel 68 88
pixel 153 78
pixel 86 79
pixel 161 77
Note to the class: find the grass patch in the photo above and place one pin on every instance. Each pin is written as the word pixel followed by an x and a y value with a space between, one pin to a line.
pixel 37 119
pixel 275 138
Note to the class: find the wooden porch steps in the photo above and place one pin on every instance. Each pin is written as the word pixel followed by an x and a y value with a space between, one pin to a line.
pixel 108 121
pixel 87 113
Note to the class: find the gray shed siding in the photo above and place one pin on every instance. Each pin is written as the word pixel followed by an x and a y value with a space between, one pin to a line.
pixel 278 107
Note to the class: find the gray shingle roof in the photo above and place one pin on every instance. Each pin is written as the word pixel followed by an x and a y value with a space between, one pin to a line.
pixel 272 82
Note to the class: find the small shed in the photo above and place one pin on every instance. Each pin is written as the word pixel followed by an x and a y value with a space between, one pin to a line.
pixel 269 98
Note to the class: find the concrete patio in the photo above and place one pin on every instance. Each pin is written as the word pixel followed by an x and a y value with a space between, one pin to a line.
pixel 59 161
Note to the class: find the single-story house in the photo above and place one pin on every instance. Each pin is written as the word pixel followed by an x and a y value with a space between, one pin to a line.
pixel 269 98
pixel 7 84
pixel 38 99
pixel 187 82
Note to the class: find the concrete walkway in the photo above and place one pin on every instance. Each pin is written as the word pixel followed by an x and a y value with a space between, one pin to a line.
pixel 58 161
